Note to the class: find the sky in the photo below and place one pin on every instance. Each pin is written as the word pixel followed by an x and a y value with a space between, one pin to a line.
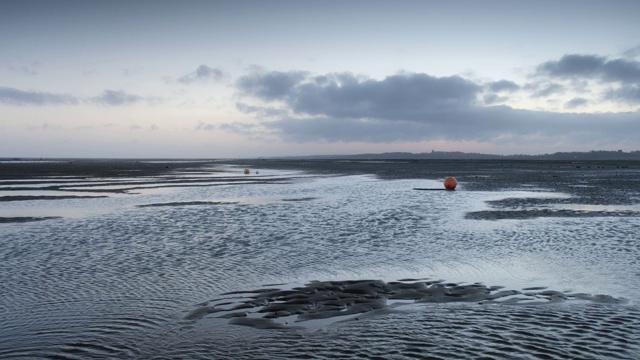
pixel 237 79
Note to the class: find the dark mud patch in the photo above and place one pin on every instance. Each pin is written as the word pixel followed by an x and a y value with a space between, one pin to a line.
pixel 299 199
pixel 523 202
pixel 567 207
pixel 25 219
pixel 189 203
pixel 591 182
pixel 332 301
pixel 46 197
pixel 542 213
pixel 96 168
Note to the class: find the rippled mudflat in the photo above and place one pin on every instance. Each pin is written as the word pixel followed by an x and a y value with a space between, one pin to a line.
pixel 320 260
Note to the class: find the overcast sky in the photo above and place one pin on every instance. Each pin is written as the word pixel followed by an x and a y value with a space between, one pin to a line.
pixel 238 78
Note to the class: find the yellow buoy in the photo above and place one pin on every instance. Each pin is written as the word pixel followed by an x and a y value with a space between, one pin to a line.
pixel 450 183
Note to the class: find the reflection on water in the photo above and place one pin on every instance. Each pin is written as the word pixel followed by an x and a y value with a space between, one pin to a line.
pixel 113 279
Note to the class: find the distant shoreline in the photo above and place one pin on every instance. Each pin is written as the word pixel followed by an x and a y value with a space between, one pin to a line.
pixel 457 155
pixel 433 155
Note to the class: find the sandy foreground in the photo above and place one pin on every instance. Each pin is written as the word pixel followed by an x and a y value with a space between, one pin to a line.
pixel 603 189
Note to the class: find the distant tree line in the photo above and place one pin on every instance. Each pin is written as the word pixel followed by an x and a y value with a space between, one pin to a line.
pixel 453 155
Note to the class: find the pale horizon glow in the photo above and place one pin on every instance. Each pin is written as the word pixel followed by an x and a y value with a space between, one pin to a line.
pixel 249 78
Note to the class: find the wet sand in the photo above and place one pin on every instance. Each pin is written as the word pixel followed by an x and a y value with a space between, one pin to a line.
pixel 599 183
pixel 103 178
pixel 275 308
pixel 612 184
pixel 24 219
pixel 456 320
pixel 92 168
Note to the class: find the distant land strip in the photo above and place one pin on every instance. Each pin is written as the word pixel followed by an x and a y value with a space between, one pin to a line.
pixel 453 155
pixel 433 155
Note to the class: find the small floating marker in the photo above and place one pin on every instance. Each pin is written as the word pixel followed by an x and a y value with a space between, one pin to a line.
pixel 247 172
pixel 450 183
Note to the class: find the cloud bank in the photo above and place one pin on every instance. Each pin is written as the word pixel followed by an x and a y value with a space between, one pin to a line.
pixel 622 76
pixel 299 106
pixel 592 66
pixel 406 97
pixel 343 107
pixel 12 96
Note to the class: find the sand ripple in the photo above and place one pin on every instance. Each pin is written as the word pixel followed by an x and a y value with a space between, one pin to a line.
pixel 444 331
pixel 276 307
pixel 175 280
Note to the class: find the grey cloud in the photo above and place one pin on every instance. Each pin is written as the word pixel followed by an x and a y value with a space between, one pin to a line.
pixel 549 90
pixel 45 126
pixel 247 109
pixel 261 111
pixel 481 124
pixel 202 73
pixel 629 94
pixel 493 99
pixel 152 127
pixel 633 52
pixel 575 102
pixel 625 71
pixel 408 97
pixel 400 97
pixel 412 107
pixel 24 67
pixel 544 89
pixel 573 65
pixel 348 130
pixel 467 124
pixel 270 85
pixel 238 127
pixel 206 127
pixel 13 96
pixel 130 72
pixel 116 98
pixel 24 70
pixel 205 72
pixel 19 97
pixel 503 85
pixel 592 66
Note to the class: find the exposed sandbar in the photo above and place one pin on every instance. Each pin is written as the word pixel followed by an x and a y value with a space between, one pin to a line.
pixel 46 197
pixel 261 308
pixel 25 219
pixel 94 168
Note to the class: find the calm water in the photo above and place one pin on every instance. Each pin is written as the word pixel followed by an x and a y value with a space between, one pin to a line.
pixel 117 276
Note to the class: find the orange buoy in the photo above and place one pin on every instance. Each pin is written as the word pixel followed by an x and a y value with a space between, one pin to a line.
pixel 246 171
pixel 450 183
